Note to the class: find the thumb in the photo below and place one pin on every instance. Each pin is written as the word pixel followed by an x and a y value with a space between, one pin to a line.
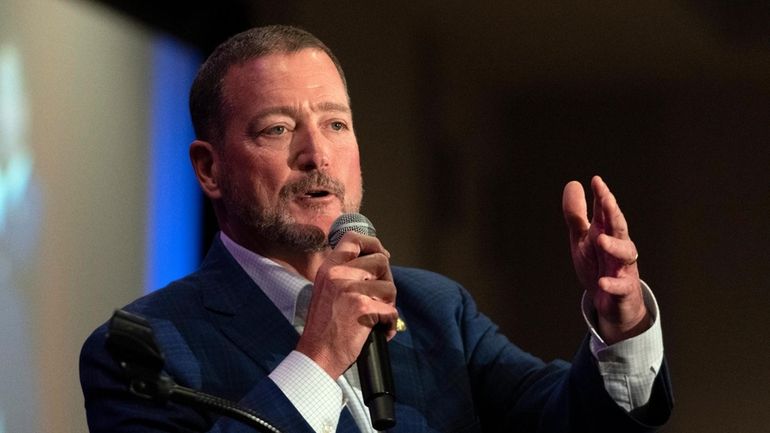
pixel 575 210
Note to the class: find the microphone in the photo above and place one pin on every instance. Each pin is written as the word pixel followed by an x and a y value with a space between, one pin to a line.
pixel 132 344
pixel 374 362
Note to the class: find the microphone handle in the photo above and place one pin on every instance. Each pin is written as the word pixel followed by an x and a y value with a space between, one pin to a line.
pixel 377 379
pixel 373 362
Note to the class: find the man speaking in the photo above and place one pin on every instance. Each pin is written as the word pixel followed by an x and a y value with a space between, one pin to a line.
pixel 275 318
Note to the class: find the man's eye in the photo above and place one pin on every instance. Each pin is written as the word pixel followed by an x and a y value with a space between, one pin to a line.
pixel 275 130
pixel 338 126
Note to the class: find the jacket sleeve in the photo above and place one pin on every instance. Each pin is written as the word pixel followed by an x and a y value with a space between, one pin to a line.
pixel 515 391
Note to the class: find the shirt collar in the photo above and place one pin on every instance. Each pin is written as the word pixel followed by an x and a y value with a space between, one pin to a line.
pixel 281 286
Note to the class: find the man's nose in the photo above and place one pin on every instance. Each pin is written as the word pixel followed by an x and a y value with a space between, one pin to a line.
pixel 312 150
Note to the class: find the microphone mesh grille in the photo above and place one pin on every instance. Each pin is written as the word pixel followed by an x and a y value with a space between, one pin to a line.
pixel 350 222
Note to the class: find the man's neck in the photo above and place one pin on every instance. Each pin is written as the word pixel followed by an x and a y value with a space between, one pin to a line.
pixel 305 263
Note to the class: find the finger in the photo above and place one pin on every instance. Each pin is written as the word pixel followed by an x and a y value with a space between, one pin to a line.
pixel 379 313
pixel 353 244
pixel 377 265
pixel 600 191
pixel 380 291
pixel 614 221
pixel 622 250
pixel 370 267
pixel 390 327
pixel 575 210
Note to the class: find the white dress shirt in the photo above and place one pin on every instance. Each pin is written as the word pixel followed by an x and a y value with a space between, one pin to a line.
pixel 628 368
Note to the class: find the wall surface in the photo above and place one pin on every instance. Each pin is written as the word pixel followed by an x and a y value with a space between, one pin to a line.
pixel 472 119
pixel 74 81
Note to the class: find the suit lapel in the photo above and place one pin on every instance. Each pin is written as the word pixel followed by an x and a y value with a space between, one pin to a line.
pixel 243 312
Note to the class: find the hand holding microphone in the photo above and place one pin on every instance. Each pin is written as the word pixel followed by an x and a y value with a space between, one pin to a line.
pixel 353 314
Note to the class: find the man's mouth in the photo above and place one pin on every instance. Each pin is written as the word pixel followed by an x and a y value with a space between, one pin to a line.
pixel 317 193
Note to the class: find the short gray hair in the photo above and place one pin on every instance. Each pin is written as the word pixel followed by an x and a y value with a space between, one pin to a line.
pixel 207 105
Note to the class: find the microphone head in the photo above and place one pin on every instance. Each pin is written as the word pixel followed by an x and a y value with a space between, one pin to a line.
pixel 348 222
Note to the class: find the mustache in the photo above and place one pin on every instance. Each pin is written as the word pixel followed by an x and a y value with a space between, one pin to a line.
pixel 315 180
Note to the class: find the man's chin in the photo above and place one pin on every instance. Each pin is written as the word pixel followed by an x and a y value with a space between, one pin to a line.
pixel 322 221
pixel 298 236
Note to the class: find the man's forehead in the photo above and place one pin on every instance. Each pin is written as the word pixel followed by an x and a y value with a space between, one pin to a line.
pixel 273 74
pixel 288 63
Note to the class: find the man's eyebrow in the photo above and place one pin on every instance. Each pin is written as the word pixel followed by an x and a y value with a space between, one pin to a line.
pixel 332 106
pixel 291 111
pixel 280 109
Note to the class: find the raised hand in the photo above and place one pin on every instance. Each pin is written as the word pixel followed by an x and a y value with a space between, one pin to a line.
pixel 605 260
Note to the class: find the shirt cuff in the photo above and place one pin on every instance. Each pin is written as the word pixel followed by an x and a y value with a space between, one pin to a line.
pixel 321 409
pixel 628 367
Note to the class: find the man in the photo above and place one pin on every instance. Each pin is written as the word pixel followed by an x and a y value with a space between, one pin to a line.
pixel 277 155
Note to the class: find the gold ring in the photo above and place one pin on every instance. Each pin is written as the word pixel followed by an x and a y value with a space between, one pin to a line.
pixel 632 261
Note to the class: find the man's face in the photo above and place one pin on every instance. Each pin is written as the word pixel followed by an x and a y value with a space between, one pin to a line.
pixel 289 163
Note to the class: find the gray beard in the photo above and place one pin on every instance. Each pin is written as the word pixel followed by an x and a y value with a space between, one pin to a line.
pixel 276 225
pixel 279 228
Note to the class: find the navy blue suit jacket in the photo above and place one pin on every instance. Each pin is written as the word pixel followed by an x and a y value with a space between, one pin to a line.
pixel 453 371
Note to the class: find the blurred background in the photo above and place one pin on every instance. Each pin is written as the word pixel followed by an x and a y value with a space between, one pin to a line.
pixel 471 118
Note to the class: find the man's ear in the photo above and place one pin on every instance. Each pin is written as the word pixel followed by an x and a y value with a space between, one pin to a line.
pixel 206 164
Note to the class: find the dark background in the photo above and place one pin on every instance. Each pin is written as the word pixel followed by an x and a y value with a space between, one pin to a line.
pixel 472 117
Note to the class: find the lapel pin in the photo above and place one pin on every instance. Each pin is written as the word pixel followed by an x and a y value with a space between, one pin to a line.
pixel 400 325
